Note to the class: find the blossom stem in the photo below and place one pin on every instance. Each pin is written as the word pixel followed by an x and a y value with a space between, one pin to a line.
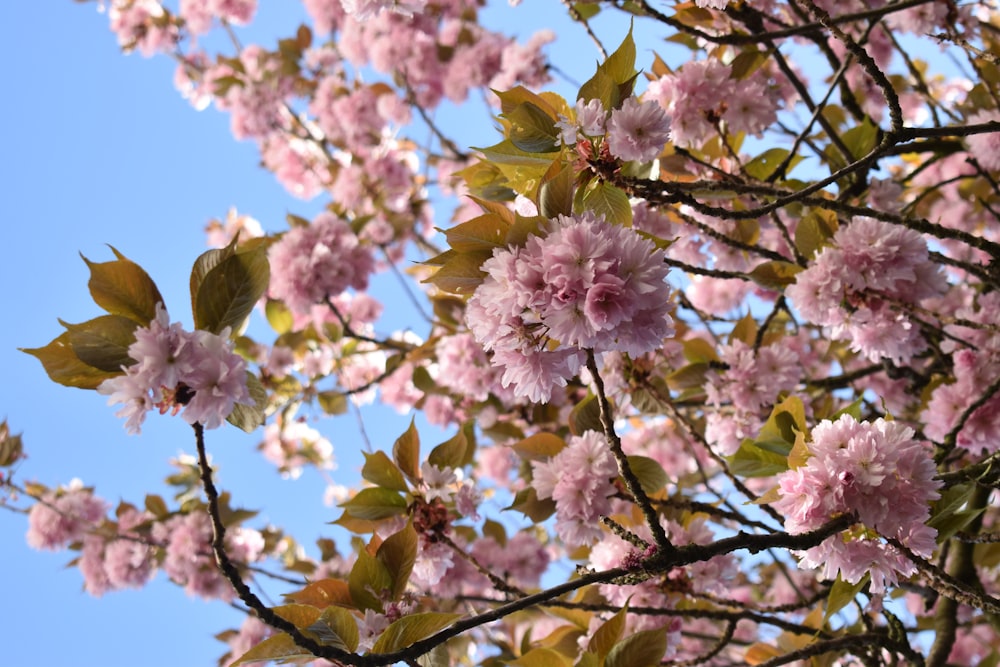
pixel 615 443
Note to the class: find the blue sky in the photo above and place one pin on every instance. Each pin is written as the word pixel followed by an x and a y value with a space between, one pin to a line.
pixel 100 149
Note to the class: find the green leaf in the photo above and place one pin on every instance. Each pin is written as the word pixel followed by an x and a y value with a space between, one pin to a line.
pixel 398 554
pixel 951 512
pixel 785 419
pixel 368 579
pixel 461 272
pixel 517 96
pixel 754 460
pixel 336 627
pixel 103 342
pixel 63 366
pixel 539 447
pixel 842 593
pixel 555 196
pixel 541 657
pixel 606 636
pixel 451 453
pixel 381 471
pixel 123 288
pixel 763 166
pixel 486 232
pixel 230 290
pixel 620 65
pixel 532 129
pixel 641 649
pixel 409 629
pixel 156 506
pixel 279 648
pixel 775 275
pixel 248 417
pixel 375 503
pixel 651 475
pixel 529 504
pixel 747 62
pixel 332 402
pixel 601 87
pixel 278 316
pixel 406 453
pixel 688 377
pixel 609 202
pixel 586 416
pixel 814 230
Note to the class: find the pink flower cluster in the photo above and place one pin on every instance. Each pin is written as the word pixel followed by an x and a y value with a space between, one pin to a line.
pixel 580 479
pixel 189 562
pixel 877 472
pixel 638 131
pixel 126 560
pixel 62 517
pixel 974 372
pixel 701 94
pixel 322 260
pixel 751 383
pixel 585 284
pixel 198 14
pixel 197 371
pixel 851 287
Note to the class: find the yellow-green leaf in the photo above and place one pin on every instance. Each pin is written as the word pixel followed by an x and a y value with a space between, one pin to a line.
pixel 651 475
pixel 541 657
pixel 606 636
pixel 539 447
pixel 641 649
pixel 279 648
pixel 375 503
pixel 451 453
pixel 336 627
pixel 775 275
pixel 249 417
pixel 409 629
pixel 230 290
pixel 381 471
pixel 398 554
pixel 485 232
pixel 608 202
pixel 406 453
pixel 368 579
pixel 63 366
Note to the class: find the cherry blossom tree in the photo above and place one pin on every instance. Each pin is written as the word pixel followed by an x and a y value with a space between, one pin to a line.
pixel 720 325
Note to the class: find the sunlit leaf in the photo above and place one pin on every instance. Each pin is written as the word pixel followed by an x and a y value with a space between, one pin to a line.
pixel 63 366
pixel 230 290
pixel 381 471
pixel 103 342
pixel 250 417
pixel 409 629
pixel 640 649
pixel 122 287
pixel 375 503
pixel 406 453
pixel 398 553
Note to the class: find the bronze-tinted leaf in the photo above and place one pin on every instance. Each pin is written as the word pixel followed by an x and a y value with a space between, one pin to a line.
pixel 122 287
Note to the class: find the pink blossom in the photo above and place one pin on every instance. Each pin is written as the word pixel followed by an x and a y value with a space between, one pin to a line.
pixel 64 516
pixel 310 264
pixel 585 284
pixel 845 286
pixel 292 444
pixel 876 471
pixel 638 130
pixel 579 480
pixel 174 369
